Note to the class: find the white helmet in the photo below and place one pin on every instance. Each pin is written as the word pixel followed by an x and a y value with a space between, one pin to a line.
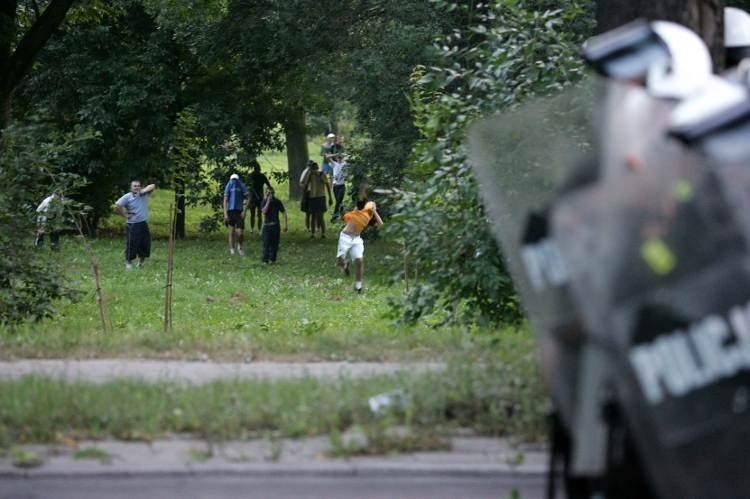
pixel 689 65
pixel 736 28
pixel 736 35
pixel 717 99
pixel 668 59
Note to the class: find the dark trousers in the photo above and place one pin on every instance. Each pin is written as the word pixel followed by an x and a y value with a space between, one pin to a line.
pixel 54 239
pixel 137 241
pixel 271 237
pixel 338 195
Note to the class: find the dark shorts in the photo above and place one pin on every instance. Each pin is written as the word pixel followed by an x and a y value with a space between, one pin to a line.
pixel 316 205
pixel 235 219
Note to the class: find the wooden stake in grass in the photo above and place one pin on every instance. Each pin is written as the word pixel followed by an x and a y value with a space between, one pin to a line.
pixel 97 276
pixel 170 266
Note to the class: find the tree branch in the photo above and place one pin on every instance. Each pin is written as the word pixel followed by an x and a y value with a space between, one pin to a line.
pixel 33 41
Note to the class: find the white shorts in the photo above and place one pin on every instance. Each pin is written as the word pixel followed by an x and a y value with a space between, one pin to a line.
pixel 352 245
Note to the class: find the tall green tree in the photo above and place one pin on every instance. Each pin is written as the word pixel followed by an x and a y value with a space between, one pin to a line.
pixel 24 30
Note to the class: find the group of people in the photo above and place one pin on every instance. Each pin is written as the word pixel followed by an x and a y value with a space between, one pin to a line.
pixel 238 196
pixel 327 181
pixel 267 213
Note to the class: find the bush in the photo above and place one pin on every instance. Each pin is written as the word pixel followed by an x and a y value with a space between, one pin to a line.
pixel 29 282
pixel 512 53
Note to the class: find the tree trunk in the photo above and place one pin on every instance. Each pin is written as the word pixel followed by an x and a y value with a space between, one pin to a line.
pixel 705 17
pixel 179 199
pixel 15 63
pixel 296 149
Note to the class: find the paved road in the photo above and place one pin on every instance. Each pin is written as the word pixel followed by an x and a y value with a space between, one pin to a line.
pixel 294 487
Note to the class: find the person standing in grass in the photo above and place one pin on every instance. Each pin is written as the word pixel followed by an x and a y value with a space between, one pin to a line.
pixel 350 239
pixel 271 233
pixel 48 213
pixel 305 201
pixel 134 207
pixel 339 185
pixel 256 181
pixel 326 152
pixel 235 193
pixel 317 183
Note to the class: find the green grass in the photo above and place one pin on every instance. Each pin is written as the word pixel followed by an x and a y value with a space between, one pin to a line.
pixel 227 307
pixel 230 307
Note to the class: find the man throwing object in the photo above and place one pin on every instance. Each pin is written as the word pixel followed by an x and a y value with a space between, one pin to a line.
pixel 134 207
pixel 350 240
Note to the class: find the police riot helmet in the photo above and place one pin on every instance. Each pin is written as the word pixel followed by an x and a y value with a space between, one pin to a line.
pixel 736 35
pixel 689 66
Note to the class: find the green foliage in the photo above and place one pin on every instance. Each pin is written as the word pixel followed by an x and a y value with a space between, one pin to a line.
pixel 511 53
pixel 30 281
pixel 377 73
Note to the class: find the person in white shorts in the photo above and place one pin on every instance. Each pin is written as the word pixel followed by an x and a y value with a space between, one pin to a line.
pixel 350 240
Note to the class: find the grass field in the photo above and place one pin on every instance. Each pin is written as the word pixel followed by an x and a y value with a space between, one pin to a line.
pixel 230 307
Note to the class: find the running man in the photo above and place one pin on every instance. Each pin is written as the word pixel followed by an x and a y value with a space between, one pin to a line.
pixel 350 240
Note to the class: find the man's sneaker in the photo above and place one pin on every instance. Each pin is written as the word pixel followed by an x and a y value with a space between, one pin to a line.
pixel 346 268
pixel 240 252
pixel 231 251
pixel 139 265
pixel 128 266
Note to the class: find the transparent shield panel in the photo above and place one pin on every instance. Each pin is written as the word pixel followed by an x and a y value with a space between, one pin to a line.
pixel 522 159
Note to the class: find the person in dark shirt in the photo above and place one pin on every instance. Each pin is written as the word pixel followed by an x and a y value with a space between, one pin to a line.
pixel 256 181
pixel 271 233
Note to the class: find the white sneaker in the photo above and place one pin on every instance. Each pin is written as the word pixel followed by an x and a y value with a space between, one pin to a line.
pixel 240 252
pixel 231 251
pixel 128 266
pixel 139 265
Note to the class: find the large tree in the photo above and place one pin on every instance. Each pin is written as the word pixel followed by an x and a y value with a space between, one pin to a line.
pixel 19 50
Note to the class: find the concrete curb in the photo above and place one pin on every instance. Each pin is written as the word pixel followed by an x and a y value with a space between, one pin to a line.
pixel 469 457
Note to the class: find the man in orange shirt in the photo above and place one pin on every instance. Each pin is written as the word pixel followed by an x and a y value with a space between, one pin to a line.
pixel 350 240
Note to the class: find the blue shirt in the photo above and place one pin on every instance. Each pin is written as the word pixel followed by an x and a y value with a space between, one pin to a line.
pixel 235 192
pixel 136 205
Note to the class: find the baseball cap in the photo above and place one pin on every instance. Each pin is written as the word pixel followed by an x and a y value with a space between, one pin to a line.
pixel 234 177
pixel 330 135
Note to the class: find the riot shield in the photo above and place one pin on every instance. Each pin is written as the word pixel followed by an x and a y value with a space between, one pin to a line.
pixel 658 270
pixel 632 264
pixel 522 159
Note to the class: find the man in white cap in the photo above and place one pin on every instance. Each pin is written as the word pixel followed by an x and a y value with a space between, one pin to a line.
pixel 326 150
pixel 235 195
